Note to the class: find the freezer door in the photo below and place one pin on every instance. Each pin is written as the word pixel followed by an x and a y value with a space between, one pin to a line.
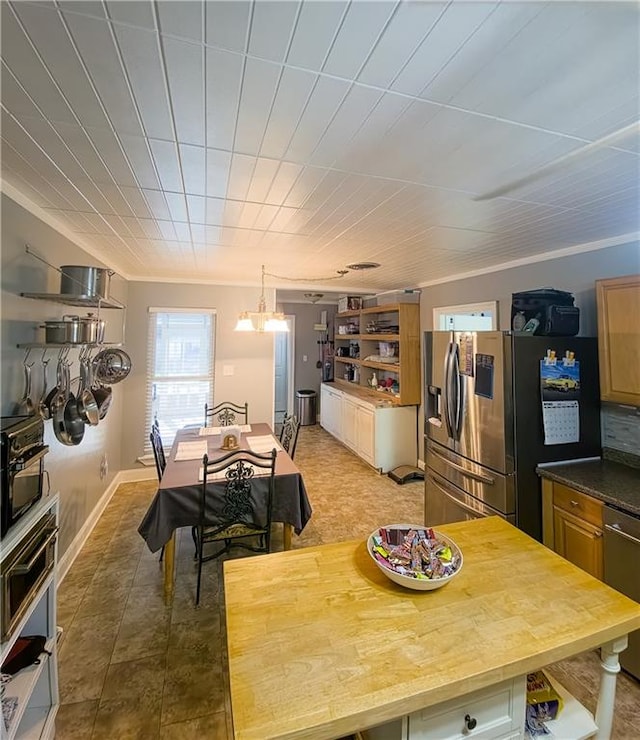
pixel 468 396
pixel 491 488
pixel 444 503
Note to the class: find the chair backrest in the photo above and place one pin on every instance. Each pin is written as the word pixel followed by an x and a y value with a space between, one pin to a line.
pixel 246 499
pixel 158 449
pixel 289 434
pixel 226 413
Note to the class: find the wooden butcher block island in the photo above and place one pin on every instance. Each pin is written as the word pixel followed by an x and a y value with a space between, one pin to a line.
pixel 322 644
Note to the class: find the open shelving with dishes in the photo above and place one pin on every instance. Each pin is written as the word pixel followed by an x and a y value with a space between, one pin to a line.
pixel 377 350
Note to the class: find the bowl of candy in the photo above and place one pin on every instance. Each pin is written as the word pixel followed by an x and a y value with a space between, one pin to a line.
pixel 415 556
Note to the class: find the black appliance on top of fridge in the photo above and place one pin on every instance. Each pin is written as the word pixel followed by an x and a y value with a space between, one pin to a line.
pixel 484 429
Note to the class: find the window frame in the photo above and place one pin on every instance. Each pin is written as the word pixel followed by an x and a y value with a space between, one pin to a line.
pixel 151 371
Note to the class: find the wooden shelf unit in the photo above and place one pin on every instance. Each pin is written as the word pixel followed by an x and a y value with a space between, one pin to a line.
pixel 406 371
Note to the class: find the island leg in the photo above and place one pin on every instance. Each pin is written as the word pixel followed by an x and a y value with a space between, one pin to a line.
pixel 287 529
pixel 610 666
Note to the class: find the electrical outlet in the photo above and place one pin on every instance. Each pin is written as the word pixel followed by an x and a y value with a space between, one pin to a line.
pixel 104 466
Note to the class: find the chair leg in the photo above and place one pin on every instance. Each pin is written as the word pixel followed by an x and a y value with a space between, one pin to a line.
pixel 199 575
pixel 195 542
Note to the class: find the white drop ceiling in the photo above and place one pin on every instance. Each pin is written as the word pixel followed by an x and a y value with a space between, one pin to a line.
pixel 196 141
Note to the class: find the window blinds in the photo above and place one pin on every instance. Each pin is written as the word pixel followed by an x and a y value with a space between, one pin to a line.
pixel 180 363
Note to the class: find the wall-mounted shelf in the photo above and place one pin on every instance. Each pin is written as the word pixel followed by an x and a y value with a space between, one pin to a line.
pixel 75 300
pixel 69 345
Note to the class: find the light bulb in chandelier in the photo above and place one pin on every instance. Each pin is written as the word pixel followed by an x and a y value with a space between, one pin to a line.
pixel 261 320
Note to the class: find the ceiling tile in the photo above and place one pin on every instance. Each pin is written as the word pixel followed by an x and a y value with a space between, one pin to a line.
pixel 318 23
pixel 223 81
pixel 227 24
pixel 258 91
pixel 182 19
pixel 363 24
pixel 272 28
pixel 134 12
pixel 185 72
pixel 145 72
pixel 408 26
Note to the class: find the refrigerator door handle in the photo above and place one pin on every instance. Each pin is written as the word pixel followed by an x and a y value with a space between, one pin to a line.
pixel 476 512
pixel 455 373
pixel 467 473
pixel 448 386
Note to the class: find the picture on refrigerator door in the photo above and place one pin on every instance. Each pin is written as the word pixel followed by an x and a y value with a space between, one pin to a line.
pixel 560 387
pixel 559 381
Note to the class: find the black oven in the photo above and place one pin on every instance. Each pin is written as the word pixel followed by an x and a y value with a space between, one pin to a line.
pixel 22 455
pixel 25 570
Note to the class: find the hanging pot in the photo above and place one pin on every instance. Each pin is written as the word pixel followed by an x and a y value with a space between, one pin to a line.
pixel 85 282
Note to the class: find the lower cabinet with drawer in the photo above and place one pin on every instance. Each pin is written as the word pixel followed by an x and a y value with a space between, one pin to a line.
pixel 575 521
pixel 494 713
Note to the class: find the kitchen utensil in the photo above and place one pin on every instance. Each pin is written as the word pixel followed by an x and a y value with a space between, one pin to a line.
pixel 101 393
pixel 84 281
pixel 43 408
pixel 25 404
pixel 67 330
pixel 111 365
pixel 91 329
pixel 85 400
pixel 409 581
pixel 68 425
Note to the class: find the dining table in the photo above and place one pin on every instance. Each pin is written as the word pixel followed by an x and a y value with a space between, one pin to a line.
pixel 177 501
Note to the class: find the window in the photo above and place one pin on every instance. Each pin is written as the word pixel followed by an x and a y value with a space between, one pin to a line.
pixel 180 359
pixel 468 317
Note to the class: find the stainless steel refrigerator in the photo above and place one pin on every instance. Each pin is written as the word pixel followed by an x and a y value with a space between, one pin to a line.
pixel 484 432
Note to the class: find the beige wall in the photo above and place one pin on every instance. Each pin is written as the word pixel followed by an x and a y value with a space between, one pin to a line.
pixel 249 356
pixel 73 471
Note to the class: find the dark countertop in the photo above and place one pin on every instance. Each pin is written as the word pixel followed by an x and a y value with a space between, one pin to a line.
pixel 606 480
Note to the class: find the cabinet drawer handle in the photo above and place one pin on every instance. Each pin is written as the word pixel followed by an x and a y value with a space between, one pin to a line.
pixel 469 722
pixel 597 533
pixel 574 503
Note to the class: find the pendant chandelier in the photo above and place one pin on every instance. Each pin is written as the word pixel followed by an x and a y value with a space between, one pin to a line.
pixel 261 320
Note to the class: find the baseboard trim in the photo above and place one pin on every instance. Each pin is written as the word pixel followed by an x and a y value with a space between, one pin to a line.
pixel 72 552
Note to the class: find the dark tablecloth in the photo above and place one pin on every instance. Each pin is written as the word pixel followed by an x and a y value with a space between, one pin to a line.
pixel 176 504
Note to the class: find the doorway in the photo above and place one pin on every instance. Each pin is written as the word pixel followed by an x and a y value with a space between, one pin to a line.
pixel 284 371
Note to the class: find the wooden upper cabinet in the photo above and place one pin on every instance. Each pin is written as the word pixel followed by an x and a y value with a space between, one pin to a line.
pixel 619 339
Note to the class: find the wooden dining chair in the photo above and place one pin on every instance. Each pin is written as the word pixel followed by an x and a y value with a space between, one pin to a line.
pixel 236 504
pixel 158 455
pixel 226 413
pixel 289 434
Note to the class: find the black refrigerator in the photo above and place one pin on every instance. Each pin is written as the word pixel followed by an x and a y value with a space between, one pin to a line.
pixel 497 404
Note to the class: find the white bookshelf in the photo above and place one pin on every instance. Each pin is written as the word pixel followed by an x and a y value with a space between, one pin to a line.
pixel 35 687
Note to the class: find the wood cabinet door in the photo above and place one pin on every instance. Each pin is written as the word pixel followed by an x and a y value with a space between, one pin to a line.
pixel 619 339
pixel 578 541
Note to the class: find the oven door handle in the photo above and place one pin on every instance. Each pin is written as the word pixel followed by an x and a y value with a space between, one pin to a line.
pixel 22 464
pixel 26 567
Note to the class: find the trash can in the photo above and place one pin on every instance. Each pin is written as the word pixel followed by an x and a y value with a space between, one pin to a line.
pixel 306 403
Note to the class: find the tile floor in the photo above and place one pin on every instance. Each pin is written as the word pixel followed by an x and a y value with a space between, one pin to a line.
pixel 131 667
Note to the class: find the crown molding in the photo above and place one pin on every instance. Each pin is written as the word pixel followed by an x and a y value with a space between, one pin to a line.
pixel 614 241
